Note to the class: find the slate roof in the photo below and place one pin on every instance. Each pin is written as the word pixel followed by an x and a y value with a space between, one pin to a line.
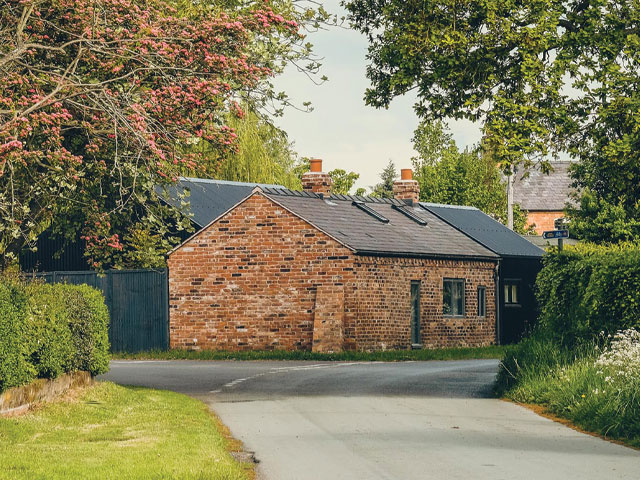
pixel 485 230
pixel 208 199
pixel 366 234
pixel 543 192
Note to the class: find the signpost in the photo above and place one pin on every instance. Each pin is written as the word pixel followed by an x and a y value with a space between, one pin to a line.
pixel 559 234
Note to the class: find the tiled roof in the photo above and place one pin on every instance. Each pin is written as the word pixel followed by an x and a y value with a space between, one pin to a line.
pixel 541 191
pixel 207 199
pixel 484 229
pixel 369 233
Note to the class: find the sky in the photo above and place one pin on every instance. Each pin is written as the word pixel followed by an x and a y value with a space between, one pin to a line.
pixel 341 129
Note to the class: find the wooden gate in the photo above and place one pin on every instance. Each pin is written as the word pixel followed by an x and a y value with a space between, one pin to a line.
pixel 138 302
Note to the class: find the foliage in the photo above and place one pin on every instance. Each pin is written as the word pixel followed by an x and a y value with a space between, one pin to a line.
pixel 342 181
pixel 447 175
pixel 15 368
pixel 492 351
pixel 48 330
pixel 384 189
pixel 100 102
pixel 110 432
pixel 264 153
pixel 587 289
pixel 595 219
pixel 543 77
pixel 595 386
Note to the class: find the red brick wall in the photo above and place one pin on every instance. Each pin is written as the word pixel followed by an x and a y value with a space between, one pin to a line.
pixel 260 278
pixel 543 220
pixel 249 280
pixel 382 305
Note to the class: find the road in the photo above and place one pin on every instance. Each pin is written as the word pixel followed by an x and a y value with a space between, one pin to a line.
pixel 370 421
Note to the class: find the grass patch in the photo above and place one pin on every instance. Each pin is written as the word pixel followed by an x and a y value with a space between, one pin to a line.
pixel 492 351
pixel 572 383
pixel 114 432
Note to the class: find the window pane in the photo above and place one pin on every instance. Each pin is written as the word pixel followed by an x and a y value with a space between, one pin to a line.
pixel 481 301
pixel 446 298
pixel 507 291
pixel 458 298
pixel 514 293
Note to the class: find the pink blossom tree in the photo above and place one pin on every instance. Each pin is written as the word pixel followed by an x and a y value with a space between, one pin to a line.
pixel 102 100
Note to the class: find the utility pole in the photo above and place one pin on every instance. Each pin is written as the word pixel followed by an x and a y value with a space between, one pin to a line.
pixel 510 180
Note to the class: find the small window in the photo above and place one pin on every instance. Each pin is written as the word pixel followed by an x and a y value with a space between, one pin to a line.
pixel 453 297
pixel 482 301
pixel 511 293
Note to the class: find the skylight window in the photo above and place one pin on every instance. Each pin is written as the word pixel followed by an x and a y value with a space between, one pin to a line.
pixel 407 211
pixel 367 209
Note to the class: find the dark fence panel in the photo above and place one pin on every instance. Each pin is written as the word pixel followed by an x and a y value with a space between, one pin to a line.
pixel 138 302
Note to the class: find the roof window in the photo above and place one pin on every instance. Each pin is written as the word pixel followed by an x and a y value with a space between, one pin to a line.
pixel 407 212
pixel 367 209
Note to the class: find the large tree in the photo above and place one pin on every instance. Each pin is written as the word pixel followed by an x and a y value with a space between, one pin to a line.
pixel 102 100
pixel 543 77
pixel 469 177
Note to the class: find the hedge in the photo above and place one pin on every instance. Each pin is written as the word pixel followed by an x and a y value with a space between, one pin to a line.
pixel 588 289
pixel 47 330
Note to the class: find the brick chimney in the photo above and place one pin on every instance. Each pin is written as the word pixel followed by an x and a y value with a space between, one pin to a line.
pixel 406 189
pixel 316 180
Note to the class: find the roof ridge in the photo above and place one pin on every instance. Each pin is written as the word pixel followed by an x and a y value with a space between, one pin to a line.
pixel 277 190
pixel 444 205
pixel 229 182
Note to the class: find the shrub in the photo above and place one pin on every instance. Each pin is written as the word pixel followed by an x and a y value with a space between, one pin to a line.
pixel 47 330
pixel 15 368
pixel 595 387
pixel 588 289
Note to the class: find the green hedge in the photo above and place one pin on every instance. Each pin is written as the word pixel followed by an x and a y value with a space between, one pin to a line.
pixel 589 289
pixel 47 330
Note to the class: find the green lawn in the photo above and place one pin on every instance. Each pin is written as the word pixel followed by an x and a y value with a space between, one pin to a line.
pixel 114 432
pixel 493 351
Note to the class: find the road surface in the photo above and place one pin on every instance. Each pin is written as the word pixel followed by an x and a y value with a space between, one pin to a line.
pixel 370 421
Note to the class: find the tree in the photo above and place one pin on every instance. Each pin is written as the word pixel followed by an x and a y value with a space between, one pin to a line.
pixel 543 77
pixel 100 102
pixel 384 189
pixel 263 153
pixel 342 181
pixel 453 177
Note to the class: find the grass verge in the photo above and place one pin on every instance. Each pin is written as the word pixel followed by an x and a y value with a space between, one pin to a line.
pixel 492 351
pixel 575 384
pixel 114 432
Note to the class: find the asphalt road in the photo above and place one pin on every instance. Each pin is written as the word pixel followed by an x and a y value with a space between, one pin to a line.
pixel 424 420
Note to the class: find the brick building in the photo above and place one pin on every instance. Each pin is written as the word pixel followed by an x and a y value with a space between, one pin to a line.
pixel 281 269
pixel 543 196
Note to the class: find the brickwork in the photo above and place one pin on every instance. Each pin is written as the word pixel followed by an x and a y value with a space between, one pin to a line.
pixel 406 190
pixel 261 278
pixel 383 308
pixel 328 319
pixel 317 182
pixel 543 220
pixel 249 280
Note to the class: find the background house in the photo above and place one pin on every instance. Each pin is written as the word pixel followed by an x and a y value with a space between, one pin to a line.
pixel 543 196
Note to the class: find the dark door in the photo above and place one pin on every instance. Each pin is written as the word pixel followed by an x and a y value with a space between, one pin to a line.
pixel 415 312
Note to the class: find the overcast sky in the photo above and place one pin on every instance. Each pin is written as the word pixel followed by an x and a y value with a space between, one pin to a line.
pixel 342 130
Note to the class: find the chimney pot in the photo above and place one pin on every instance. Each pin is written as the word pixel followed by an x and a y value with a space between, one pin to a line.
pixel 316 165
pixel 406 174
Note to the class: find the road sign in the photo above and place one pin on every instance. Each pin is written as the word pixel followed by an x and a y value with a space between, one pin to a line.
pixel 555 234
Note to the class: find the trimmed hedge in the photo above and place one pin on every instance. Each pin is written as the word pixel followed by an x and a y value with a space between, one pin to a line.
pixel 47 330
pixel 588 289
